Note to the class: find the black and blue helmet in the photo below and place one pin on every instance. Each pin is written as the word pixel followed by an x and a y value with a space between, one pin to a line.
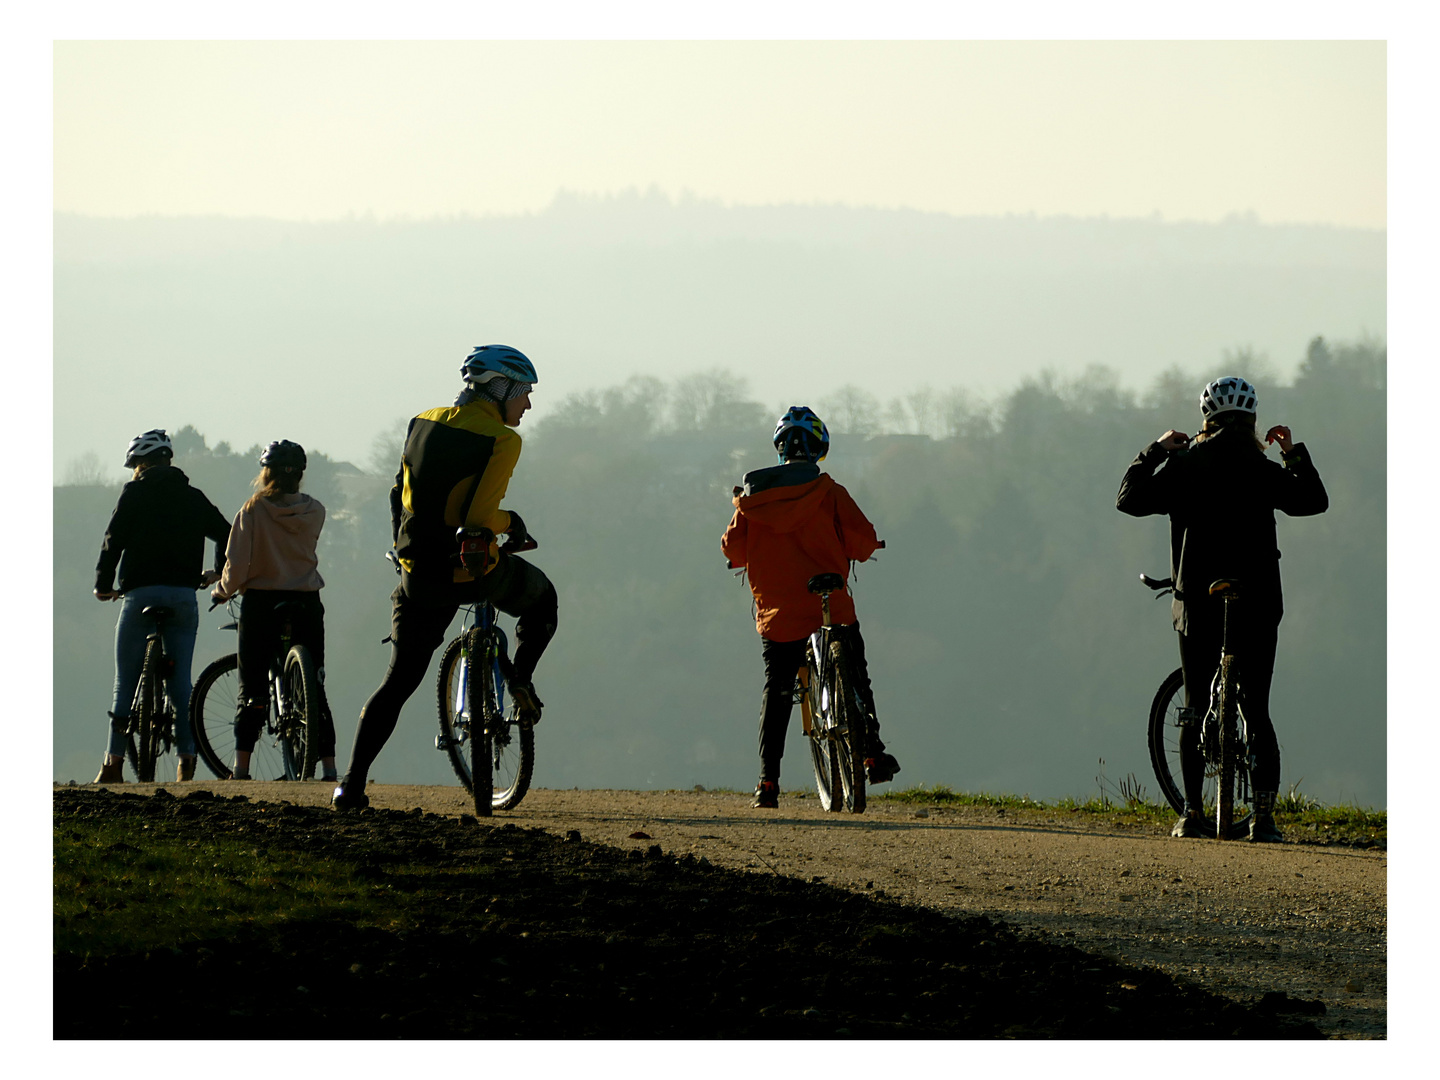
pixel 801 434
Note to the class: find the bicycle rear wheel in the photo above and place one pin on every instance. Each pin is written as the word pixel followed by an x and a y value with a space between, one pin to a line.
pixel 852 745
pixel 484 713
pixel 823 759
pixel 299 714
pixel 142 746
pixel 1229 736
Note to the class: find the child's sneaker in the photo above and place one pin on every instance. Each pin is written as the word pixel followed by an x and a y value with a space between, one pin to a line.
pixel 767 795
pixel 881 768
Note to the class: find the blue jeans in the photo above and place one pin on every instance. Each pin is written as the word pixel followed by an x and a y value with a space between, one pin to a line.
pixel 131 630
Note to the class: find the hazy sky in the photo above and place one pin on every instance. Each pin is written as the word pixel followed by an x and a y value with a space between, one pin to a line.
pixel 1291 131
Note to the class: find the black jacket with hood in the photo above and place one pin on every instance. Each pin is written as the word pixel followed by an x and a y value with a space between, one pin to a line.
pixel 157 533
pixel 1221 495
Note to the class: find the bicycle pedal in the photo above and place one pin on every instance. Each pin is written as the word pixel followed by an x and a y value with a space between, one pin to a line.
pixel 445 742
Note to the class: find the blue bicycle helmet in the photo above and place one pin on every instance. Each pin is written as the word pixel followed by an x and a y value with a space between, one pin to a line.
pixel 801 434
pixel 487 362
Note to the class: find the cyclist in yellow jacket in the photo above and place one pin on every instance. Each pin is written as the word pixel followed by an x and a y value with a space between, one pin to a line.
pixel 454 471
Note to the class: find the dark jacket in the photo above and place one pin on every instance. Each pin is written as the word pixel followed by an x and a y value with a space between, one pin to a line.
pixel 157 533
pixel 1221 495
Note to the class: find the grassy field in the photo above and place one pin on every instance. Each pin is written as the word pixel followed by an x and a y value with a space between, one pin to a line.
pixel 1301 818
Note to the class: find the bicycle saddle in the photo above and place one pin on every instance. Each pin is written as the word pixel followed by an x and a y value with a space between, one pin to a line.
pixel 823 583
pixel 1225 584
pixel 158 612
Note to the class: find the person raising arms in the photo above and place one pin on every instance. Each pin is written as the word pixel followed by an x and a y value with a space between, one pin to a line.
pixel 455 470
pixel 1221 492
pixel 792 522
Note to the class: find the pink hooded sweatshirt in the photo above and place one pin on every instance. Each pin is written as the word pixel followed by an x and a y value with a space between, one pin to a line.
pixel 272 546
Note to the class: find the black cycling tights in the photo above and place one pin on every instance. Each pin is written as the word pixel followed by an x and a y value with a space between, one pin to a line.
pixel 417 628
pixel 1254 647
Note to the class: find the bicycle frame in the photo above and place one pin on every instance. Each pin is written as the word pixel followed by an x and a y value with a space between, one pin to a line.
pixel 1223 753
pixel 481 616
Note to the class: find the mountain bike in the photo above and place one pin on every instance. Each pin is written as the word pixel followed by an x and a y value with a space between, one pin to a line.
pixel 150 734
pixel 491 750
pixel 285 749
pixel 832 715
pixel 1224 740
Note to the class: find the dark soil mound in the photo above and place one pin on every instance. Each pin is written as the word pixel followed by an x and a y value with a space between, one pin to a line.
pixel 569 939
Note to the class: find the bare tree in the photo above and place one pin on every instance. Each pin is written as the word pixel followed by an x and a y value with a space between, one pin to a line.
pixel 85 471
pixel 386 448
pixel 851 411
pixel 714 401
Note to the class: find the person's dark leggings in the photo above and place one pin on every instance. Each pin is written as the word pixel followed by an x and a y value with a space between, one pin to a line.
pixel 782 662
pixel 1254 644
pixel 259 628
pixel 420 615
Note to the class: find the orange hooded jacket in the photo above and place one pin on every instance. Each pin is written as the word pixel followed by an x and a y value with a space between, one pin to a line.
pixel 792 522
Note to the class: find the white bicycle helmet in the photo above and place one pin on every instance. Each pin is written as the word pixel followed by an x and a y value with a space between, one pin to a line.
pixel 142 446
pixel 1230 394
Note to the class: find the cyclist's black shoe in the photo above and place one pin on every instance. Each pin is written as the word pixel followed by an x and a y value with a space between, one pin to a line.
pixel 1191 826
pixel 344 800
pixel 527 702
pixel 767 795
pixel 881 768
pixel 1263 829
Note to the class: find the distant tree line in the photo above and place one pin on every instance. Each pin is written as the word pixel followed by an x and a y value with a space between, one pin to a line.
pixel 1010 645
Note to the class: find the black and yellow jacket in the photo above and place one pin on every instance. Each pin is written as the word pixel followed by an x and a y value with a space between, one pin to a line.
pixel 455 456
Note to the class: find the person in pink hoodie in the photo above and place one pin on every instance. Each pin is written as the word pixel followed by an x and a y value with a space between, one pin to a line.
pixel 270 559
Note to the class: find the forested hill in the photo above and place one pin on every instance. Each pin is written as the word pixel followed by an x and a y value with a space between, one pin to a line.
pixel 1011 646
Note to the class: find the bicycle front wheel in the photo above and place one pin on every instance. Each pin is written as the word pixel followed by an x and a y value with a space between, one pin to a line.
pixel 1164 739
pixel 299 714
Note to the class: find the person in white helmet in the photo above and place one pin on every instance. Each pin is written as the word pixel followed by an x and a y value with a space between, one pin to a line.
pixel 1221 492
pixel 156 541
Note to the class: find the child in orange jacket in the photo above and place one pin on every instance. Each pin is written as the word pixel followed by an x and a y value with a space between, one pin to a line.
pixel 792 522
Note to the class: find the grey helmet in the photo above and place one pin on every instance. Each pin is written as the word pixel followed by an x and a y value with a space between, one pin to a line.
pixel 154 441
pixel 1230 394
